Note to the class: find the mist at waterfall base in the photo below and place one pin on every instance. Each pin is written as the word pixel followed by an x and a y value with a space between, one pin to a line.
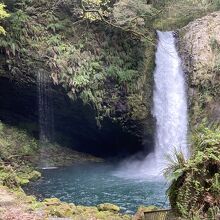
pixel 169 110
pixel 133 182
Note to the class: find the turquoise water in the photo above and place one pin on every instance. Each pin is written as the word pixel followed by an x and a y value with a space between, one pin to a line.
pixel 92 184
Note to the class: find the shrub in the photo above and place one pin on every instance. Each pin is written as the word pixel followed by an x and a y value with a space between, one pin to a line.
pixel 196 191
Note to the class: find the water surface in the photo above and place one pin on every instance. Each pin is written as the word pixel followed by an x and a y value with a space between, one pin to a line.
pixel 92 184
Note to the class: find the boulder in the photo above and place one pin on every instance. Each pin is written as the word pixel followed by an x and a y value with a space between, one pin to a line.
pixel 108 207
pixel 34 175
pixel 51 201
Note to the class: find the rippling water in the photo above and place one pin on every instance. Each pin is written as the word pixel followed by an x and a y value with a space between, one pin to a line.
pixel 92 184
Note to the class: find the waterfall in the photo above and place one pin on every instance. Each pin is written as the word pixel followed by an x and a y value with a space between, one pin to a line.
pixel 169 110
pixel 45 114
pixel 170 101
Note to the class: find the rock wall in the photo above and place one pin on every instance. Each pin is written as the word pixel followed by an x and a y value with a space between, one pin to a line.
pixel 200 50
pixel 105 75
pixel 74 122
pixel 106 70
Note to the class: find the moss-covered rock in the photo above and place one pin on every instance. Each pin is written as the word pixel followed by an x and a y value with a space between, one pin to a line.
pixel 54 207
pixel 34 175
pixel 8 177
pixel 27 174
pixel 22 181
pixel 62 210
pixel 51 201
pixel 108 207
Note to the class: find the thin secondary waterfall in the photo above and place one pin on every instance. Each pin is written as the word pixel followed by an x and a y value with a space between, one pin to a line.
pixel 45 113
pixel 169 110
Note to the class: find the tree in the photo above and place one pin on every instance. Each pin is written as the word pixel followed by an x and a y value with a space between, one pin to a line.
pixel 3 14
pixel 128 15
pixel 133 16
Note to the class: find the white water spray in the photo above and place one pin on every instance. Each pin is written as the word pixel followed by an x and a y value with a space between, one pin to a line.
pixel 169 110
pixel 170 102
pixel 45 114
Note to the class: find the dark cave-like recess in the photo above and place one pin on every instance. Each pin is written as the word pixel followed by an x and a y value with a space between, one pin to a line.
pixel 74 123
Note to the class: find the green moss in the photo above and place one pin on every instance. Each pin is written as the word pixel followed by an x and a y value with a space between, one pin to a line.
pixel 26 176
pixel 16 143
pixel 51 201
pixel 63 210
pixel 34 175
pixel 8 178
pixel 22 181
pixel 108 207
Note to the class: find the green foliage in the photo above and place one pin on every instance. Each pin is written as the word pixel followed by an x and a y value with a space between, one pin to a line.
pixel 96 62
pixel 178 13
pixel 15 144
pixel 196 191
pixel 133 14
pixel 8 177
pixel 206 136
pixel 122 76
pixel 16 150
pixel 3 15
pixel 100 6
pixel 175 167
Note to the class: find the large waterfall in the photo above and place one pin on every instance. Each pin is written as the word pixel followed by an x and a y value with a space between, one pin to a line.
pixel 169 110
pixel 45 114
pixel 170 103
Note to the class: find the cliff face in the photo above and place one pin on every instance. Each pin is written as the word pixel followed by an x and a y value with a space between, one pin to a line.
pixel 193 193
pixel 200 50
pixel 102 76
pixel 102 66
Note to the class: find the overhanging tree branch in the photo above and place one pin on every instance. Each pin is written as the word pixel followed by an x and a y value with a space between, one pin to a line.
pixel 133 32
